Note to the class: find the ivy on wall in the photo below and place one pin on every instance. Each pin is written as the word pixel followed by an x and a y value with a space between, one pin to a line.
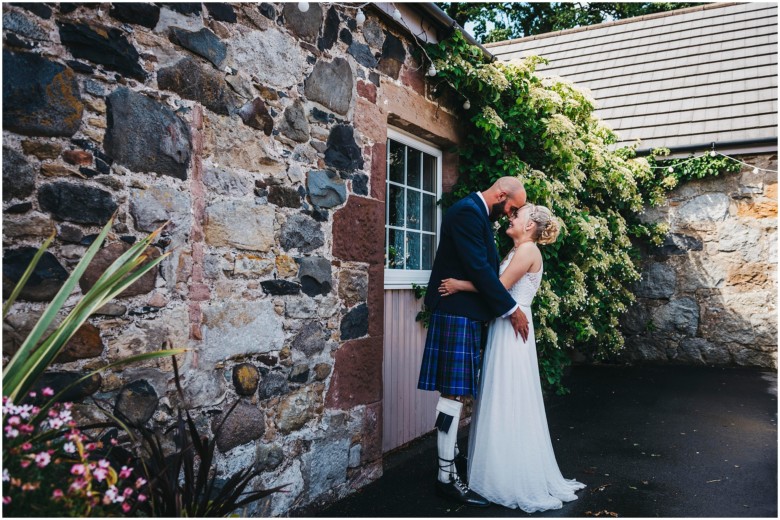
pixel 544 131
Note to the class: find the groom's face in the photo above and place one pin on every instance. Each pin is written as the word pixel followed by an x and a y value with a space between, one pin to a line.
pixel 497 211
pixel 508 206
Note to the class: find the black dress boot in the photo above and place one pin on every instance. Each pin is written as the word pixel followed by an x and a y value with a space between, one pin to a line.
pixel 457 491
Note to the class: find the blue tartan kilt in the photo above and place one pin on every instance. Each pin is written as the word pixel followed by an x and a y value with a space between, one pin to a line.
pixel 451 359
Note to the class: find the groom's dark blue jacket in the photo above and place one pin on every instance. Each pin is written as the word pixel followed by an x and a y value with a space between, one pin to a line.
pixel 467 251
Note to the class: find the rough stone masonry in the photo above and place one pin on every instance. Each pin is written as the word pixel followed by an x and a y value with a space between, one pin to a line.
pixel 708 295
pixel 258 132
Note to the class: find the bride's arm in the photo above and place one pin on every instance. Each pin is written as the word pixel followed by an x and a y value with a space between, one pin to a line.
pixel 522 260
pixel 452 285
pixel 518 266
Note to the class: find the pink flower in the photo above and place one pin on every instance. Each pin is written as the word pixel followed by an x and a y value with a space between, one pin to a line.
pixel 111 494
pixel 141 498
pixel 66 415
pixel 77 484
pixel 69 447
pixel 6 500
pixel 33 394
pixel 103 463
pixel 25 462
pixel 14 420
pixel 47 392
pixel 11 432
pixel 100 474
pixel 26 428
pixel 125 472
pixel 91 446
pixel 57 493
pixel 25 410
pixel 126 507
pixel 53 412
pixel 27 446
pixel 77 469
pixel 127 492
pixel 114 442
pixel 56 423
pixel 42 459
pixel 139 482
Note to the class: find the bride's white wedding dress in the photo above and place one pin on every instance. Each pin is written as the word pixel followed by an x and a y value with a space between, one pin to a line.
pixel 511 459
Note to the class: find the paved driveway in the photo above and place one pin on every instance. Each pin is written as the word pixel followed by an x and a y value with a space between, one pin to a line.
pixel 648 441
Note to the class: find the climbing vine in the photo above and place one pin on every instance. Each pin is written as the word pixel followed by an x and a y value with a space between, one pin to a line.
pixel 544 131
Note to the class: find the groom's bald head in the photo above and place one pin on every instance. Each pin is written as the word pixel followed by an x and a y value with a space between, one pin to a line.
pixel 504 197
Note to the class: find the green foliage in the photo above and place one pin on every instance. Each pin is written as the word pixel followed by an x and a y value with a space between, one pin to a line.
pixel 424 315
pixel 498 21
pixel 36 352
pixel 544 132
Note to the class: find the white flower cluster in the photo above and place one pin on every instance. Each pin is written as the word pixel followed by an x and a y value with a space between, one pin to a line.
pixel 492 117
pixel 542 98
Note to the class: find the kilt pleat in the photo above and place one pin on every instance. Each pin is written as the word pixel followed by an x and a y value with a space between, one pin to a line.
pixel 451 358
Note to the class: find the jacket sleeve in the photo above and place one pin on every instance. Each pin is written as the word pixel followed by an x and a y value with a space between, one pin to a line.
pixel 471 248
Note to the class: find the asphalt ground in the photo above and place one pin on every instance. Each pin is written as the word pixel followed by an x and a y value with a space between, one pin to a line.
pixel 649 441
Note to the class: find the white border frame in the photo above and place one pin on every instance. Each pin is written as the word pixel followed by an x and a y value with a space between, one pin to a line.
pixel 402 278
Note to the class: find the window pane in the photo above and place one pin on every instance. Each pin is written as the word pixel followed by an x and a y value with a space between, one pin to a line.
pixel 396 162
pixel 428 250
pixel 395 199
pixel 395 249
pixel 429 213
pixel 413 165
pixel 429 173
pixel 413 209
pixel 412 250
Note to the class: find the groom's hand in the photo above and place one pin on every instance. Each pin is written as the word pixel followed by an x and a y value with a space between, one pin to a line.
pixel 519 323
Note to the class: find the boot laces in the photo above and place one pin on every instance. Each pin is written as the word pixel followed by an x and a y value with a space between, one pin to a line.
pixel 455 479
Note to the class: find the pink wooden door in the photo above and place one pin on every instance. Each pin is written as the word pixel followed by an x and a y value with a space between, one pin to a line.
pixel 408 413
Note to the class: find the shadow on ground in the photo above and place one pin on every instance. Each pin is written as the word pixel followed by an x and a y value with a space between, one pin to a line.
pixel 648 441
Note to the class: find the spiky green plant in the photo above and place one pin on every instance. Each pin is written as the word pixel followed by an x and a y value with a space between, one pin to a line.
pixel 37 352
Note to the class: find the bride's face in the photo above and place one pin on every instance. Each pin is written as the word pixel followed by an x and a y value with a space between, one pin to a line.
pixel 518 222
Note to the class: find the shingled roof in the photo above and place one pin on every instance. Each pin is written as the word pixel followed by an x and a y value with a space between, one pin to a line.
pixel 681 79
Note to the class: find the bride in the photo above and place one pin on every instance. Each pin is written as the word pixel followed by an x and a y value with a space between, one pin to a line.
pixel 511 459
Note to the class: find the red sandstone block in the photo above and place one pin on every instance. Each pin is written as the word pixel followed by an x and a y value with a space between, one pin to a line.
pixel 355 228
pixel 357 374
pixel 199 292
pixel 77 157
pixel 378 170
pixel 367 90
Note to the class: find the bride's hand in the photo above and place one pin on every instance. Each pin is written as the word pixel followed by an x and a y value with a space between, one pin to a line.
pixel 449 286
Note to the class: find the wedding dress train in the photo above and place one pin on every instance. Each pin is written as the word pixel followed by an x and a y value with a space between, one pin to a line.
pixel 511 459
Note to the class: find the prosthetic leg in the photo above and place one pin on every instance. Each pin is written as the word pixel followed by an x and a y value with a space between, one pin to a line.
pixel 448 483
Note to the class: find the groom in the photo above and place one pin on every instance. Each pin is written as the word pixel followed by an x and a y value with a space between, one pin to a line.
pixel 451 359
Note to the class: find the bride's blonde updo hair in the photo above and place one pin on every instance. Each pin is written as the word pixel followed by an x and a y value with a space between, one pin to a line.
pixel 547 225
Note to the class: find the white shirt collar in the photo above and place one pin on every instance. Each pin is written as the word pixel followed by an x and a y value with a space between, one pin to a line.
pixel 487 210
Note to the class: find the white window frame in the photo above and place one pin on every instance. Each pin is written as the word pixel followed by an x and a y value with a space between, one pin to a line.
pixel 404 278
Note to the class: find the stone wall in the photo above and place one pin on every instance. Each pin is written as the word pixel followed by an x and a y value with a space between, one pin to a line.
pixel 259 131
pixel 709 294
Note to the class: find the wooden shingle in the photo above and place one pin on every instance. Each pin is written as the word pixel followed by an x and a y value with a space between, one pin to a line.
pixel 676 79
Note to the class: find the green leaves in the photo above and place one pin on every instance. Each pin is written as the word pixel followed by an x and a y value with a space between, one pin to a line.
pixel 544 131
pixel 37 352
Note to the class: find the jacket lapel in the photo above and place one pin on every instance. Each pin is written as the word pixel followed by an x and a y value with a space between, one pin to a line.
pixel 489 236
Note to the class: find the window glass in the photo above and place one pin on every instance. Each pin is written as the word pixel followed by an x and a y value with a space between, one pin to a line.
pixel 412 214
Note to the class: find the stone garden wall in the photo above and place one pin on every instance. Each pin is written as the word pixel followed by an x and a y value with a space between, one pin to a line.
pixel 259 131
pixel 709 294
